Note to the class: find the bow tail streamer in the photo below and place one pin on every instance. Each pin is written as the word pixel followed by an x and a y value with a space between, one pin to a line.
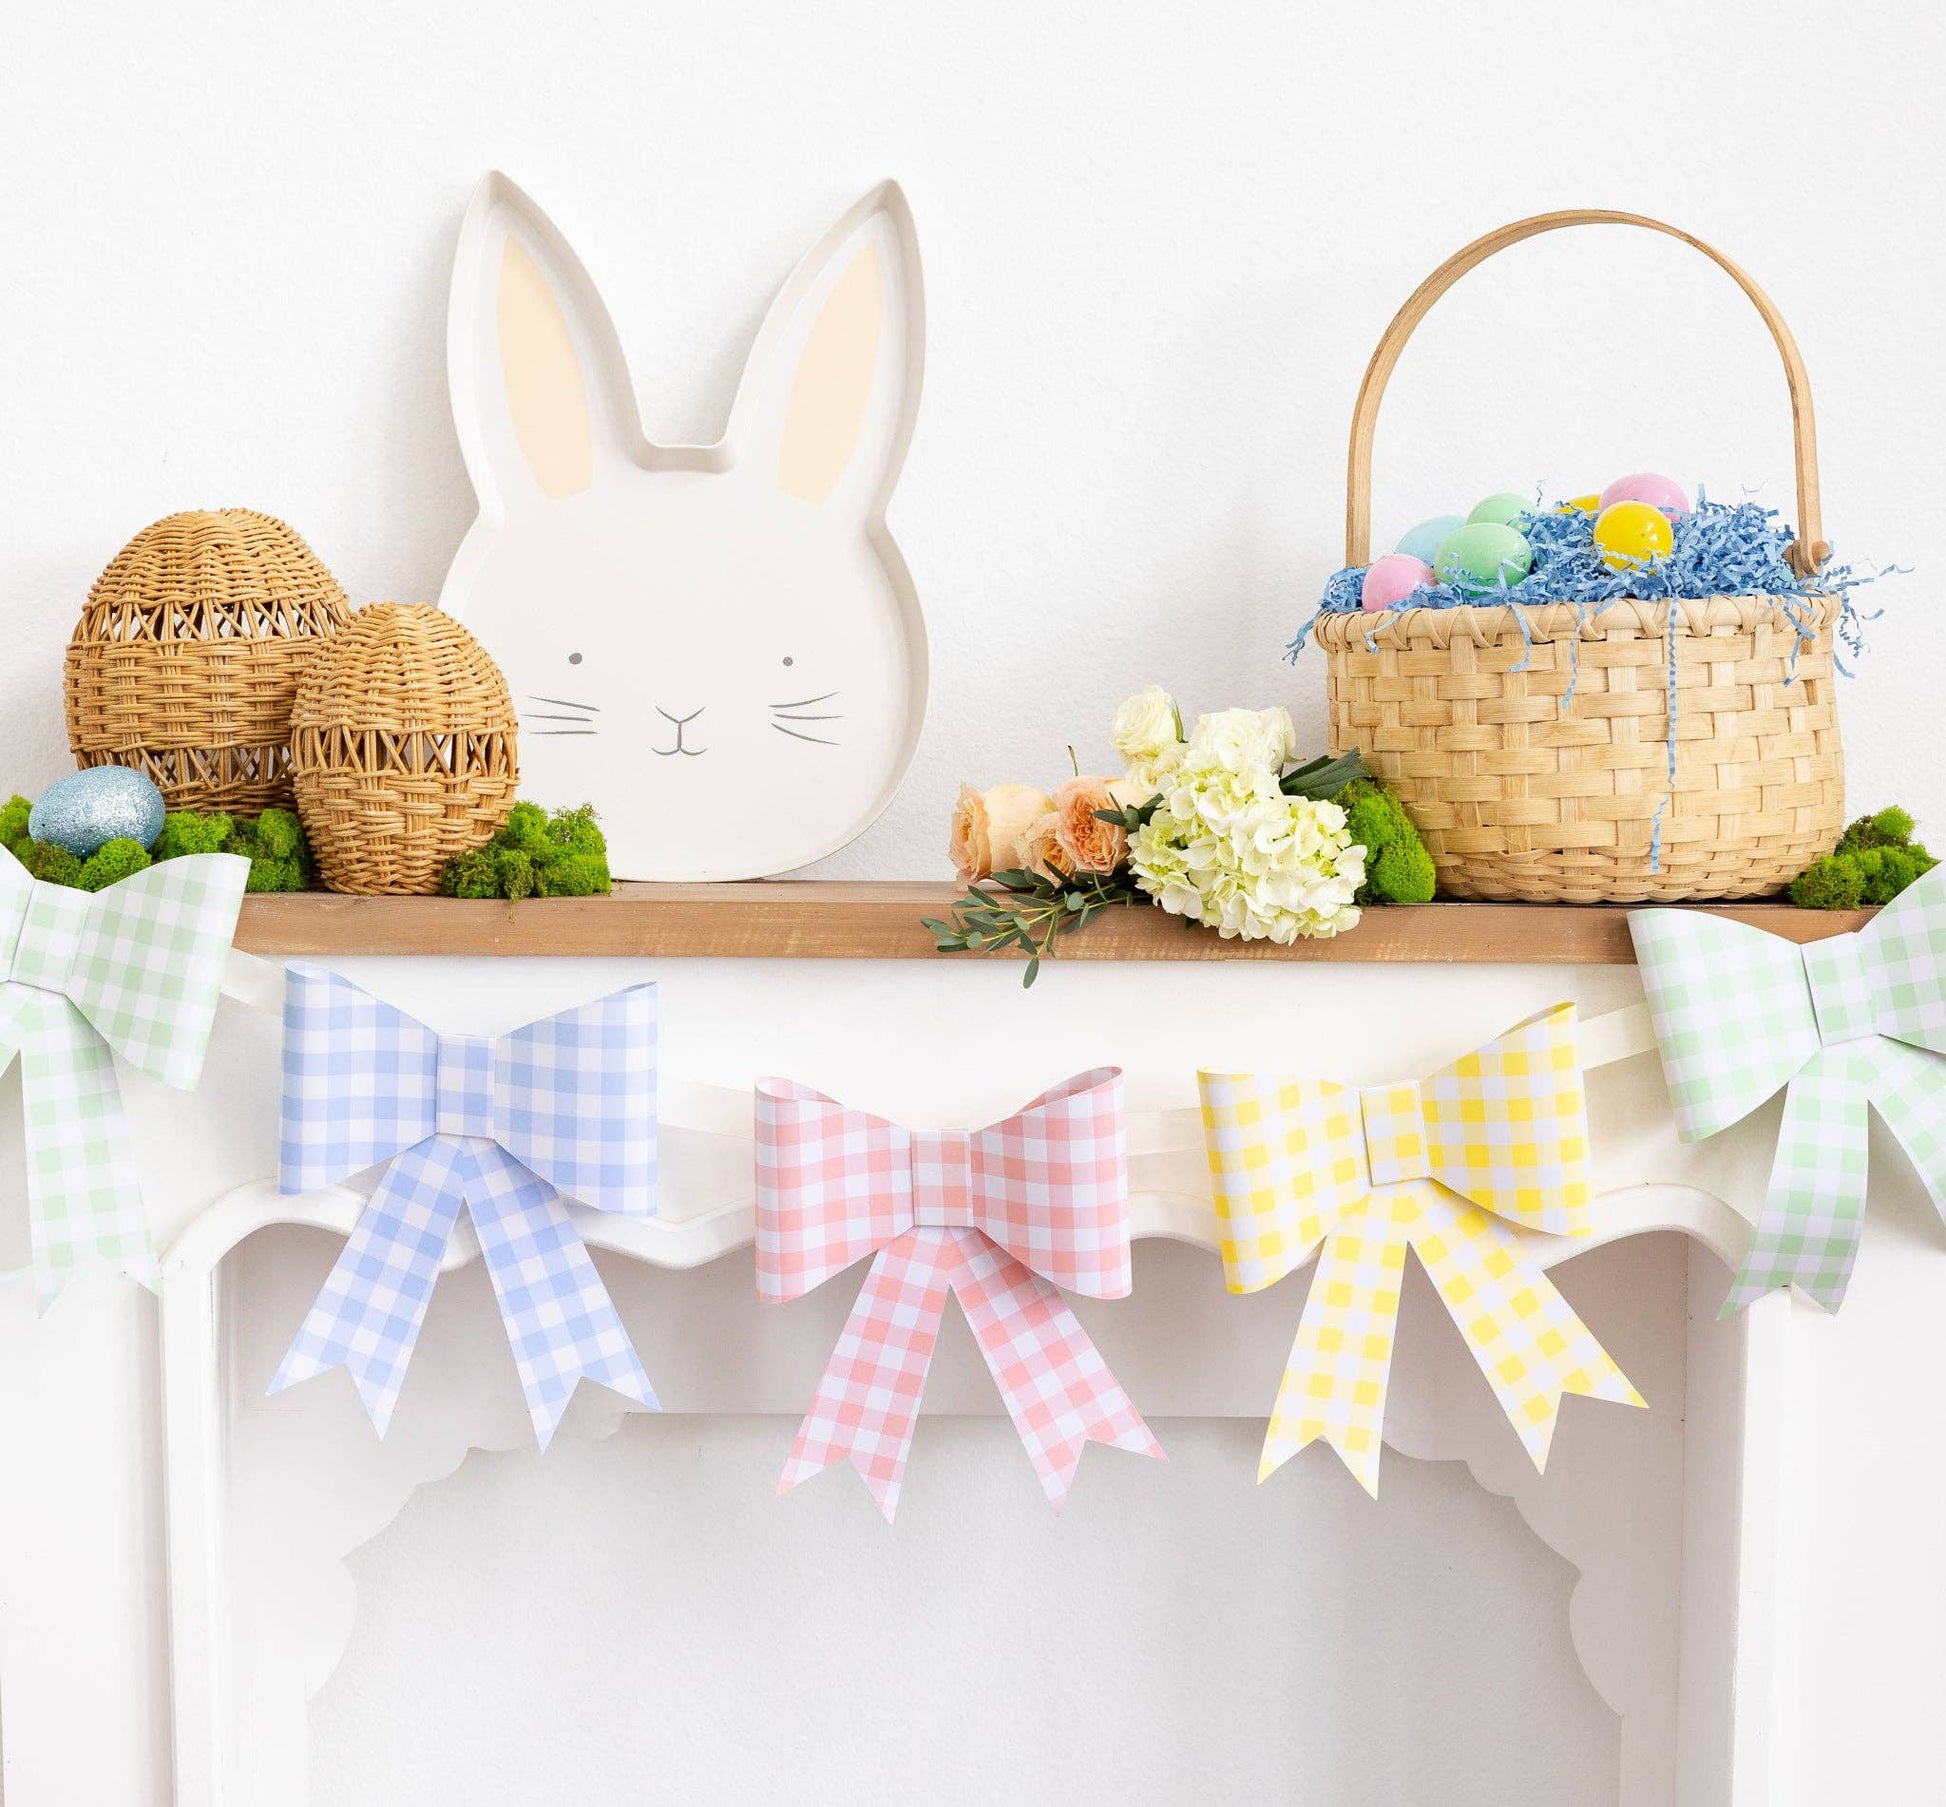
pixel 1807 1233
pixel 1528 1340
pixel 1057 1388
pixel 367 1314
pixel 560 1320
pixel 83 1188
pixel 868 1395
pixel 1334 1383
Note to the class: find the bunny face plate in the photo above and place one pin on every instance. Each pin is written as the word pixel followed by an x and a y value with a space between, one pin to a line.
pixel 718 646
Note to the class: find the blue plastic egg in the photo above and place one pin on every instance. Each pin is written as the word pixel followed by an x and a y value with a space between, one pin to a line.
pixel 87 810
pixel 1425 540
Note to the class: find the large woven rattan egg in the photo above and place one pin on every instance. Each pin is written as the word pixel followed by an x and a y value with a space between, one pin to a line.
pixel 184 663
pixel 403 749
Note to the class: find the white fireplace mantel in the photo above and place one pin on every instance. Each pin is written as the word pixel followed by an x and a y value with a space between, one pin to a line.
pixel 175 1581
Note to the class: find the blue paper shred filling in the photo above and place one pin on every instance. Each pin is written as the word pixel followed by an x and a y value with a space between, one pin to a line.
pixel 1721 549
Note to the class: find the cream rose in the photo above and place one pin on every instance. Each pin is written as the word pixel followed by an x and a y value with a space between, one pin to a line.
pixel 991 830
pixel 1146 726
pixel 1242 741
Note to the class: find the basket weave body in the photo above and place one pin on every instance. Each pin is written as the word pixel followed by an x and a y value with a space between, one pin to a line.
pixel 1520 799
pixel 184 663
pixel 402 749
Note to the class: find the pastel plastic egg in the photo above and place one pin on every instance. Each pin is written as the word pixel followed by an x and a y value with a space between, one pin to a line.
pixel 1425 540
pixel 1392 579
pixel 1502 510
pixel 1646 486
pixel 1628 533
pixel 1484 555
pixel 86 810
pixel 1587 505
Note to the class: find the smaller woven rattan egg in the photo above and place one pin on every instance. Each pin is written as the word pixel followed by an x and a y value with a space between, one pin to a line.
pixel 86 810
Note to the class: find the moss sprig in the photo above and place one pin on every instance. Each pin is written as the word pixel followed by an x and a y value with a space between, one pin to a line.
pixel 535 855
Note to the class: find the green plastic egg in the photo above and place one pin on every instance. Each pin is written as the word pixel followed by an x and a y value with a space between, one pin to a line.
pixel 1501 510
pixel 1481 556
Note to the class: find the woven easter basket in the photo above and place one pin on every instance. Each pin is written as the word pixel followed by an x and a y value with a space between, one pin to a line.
pixel 1520 798
pixel 184 663
pixel 403 750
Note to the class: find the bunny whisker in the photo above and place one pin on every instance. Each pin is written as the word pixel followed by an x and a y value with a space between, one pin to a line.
pixel 803 702
pixel 558 702
pixel 560 718
pixel 545 733
pixel 782 717
pixel 812 738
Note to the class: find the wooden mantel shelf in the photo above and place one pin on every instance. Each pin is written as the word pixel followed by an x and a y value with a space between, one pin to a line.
pixel 813 920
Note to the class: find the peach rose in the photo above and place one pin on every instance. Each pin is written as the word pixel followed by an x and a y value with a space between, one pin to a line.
pixel 1070 839
pixel 991 830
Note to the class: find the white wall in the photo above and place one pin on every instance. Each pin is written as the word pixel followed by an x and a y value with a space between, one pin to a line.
pixel 1160 242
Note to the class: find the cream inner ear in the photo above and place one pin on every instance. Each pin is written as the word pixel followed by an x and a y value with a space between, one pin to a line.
pixel 545 393
pixel 833 386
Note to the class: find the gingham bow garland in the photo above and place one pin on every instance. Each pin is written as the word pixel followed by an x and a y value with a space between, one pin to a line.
pixel 1854 1020
pixel 1447 1166
pixel 136 969
pixel 505 1125
pixel 996 1214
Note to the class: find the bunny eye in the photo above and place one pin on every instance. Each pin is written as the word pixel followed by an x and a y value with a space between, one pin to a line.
pixel 574 658
pixel 787 661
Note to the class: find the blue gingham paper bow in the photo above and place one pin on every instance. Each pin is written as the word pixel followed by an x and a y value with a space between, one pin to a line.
pixel 136 969
pixel 503 1124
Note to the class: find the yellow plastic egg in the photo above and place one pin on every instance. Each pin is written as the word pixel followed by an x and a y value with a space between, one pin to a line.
pixel 1590 504
pixel 1630 533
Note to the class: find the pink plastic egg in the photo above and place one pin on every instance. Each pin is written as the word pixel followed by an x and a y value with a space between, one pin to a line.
pixel 1392 579
pixel 1646 486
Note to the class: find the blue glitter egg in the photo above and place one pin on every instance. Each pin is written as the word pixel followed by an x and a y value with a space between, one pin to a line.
pixel 87 810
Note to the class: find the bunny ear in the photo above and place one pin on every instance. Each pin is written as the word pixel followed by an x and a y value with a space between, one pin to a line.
pixel 828 398
pixel 541 393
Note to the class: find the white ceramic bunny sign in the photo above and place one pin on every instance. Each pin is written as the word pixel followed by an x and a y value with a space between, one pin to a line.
pixel 718 646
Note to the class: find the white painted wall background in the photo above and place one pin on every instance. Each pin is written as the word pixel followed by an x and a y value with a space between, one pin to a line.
pixel 1160 243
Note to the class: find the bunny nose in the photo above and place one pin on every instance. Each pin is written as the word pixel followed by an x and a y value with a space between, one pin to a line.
pixel 679 720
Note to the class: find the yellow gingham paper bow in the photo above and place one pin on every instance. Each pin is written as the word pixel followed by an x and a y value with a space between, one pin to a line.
pixel 1448 1166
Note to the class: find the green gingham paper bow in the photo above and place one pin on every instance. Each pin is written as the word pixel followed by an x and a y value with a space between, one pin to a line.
pixel 1854 1020
pixel 136 968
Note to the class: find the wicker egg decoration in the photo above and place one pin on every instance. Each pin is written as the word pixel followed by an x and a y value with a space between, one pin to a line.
pixel 402 749
pixel 184 663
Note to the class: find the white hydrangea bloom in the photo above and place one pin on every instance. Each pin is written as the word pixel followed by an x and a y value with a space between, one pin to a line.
pixel 1226 847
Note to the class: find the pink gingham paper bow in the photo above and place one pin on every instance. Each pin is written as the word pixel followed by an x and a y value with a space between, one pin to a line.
pixel 996 1214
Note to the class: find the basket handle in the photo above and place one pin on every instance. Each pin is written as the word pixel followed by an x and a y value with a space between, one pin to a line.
pixel 1805 553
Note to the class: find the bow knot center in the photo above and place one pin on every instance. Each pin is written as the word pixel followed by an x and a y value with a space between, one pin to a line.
pixel 465 1086
pixel 47 938
pixel 942 1179
pixel 1395 1133
pixel 1842 992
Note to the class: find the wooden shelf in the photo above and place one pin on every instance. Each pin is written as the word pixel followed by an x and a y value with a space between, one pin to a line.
pixel 827 920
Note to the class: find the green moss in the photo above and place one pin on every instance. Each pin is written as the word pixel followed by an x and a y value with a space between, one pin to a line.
pixel 112 862
pixel 50 864
pixel 1398 868
pixel 13 823
pixel 279 855
pixel 1875 860
pixel 186 831
pixel 535 855
pixel 274 844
